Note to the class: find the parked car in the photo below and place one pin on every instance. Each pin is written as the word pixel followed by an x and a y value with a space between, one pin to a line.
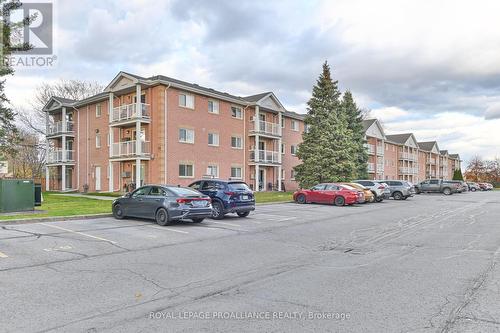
pixel 227 196
pixel 486 186
pixel 437 186
pixel 164 204
pixel 329 193
pixel 368 195
pixel 473 187
pixel 462 186
pixel 399 189
pixel 379 189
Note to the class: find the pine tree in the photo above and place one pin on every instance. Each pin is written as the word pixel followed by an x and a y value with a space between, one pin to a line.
pixel 326 151
pixel 8 131
pixel 457 175
pixel 355 124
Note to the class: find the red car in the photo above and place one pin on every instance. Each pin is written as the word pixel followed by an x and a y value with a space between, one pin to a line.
pixel 329 193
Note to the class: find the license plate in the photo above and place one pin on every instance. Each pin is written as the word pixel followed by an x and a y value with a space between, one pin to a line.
pixel 245 197
pixel 199 203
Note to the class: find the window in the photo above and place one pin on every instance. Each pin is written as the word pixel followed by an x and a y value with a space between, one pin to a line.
pixel 292 174
pixel 282 122
pixel 213 171
pixel 98 110
pixel 293 149
pixel 196 185
pixel 98 141
pixel 141 191
pixel 282 148
pixel 319 187
pixel 143 98
pixel 157 191
pixel 213 139
pixel 186 100
pixel 186 170
pixel 236 172
pixel 295 125
pixel 236 112
pixel 186 135
pixel 236 142
pixel 213 106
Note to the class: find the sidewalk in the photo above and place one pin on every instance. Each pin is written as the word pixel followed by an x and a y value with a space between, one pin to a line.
pixel 98 197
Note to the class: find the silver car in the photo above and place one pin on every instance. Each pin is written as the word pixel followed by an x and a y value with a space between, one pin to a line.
pixel 400 189
pixel 379 189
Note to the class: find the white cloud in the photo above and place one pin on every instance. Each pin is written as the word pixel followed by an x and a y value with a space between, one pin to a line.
pixel 493 111
pixel 387 114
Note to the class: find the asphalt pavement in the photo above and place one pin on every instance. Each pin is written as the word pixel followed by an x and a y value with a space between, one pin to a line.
pixel 427 264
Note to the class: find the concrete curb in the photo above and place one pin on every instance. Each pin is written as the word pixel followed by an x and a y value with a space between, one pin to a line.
pixel 54 219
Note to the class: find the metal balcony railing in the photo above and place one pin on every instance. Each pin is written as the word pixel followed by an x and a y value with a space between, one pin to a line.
pixel 266 127
pixel 59 128
pixel 56 156
pixel 128 149
pixel 370 148
pixel 129 112
pixel 380 150
pixel 371 167
pixel 265 156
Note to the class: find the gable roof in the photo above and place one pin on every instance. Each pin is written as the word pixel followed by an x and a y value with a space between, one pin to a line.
pixel 399 138
pixel 427 146
pixel 367 123
pixel 294 115
pixel 443 152
pixel 256 98
pixel 455 156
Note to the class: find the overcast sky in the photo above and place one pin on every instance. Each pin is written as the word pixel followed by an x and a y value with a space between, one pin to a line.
pixel 427 67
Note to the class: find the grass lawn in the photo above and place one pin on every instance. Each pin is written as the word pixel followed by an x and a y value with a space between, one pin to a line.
pixel 265 197
pixel 56 205
pixel 105 194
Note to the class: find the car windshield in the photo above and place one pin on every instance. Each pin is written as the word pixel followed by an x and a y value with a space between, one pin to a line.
pixel 347 187
pixel 239 186
pixel 183 191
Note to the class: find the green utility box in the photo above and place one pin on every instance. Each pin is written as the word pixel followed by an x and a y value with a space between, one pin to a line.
pixel 16 195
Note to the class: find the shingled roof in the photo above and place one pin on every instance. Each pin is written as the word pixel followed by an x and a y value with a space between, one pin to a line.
pixel 367 123
pixel 399 138
pixel 427 146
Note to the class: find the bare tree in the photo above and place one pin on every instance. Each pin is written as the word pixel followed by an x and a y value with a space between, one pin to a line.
pixel 28 158
pixel 33 117
pixel 475 169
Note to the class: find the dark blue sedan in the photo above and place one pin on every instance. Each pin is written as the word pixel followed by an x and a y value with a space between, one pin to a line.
pixel 227 196
pixel 164 204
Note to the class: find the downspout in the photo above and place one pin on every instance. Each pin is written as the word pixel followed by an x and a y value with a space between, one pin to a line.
pixel 165 141
pixel 245 164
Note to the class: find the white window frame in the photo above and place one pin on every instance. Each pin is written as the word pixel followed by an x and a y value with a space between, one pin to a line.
pixel 215 106
pixel 240 112
pixel 213 167
pixel 240 141
pixel 98 110
pixel 187 130
pixel 214 135
pixel 294 125
pixel 240 172
pixel 185 169
pixel 189 100
pixel 98 141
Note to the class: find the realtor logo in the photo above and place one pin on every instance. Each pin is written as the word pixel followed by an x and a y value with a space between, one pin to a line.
pixel 39 32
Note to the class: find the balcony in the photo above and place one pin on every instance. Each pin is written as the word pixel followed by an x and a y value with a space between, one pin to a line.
pixel 128 113
pixel 380 151
pixel 128 149
pixel 371 167
pixel 265 156
pixel 408 156
pixel 266 128
pixel 370 148
pixel 380 167
pixel 431 161
pixel 58 128
pixel 408 170
pixel 55 156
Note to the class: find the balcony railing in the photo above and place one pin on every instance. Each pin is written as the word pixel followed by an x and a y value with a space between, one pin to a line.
pixel 56 156
pixel 408 156
pixel 371 167
pixel 431 161
pixel 265 156
pixel 59 128
pixel 370 148
pixel 380 150
pixel 129 112
pixel 408 170
pixel 380 167
pixel 266 127
pixel 128 149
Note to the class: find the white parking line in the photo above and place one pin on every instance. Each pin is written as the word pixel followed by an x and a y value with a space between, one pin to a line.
pixel 79 233
pixel 3 255
pixel 229 224
pixel 168 229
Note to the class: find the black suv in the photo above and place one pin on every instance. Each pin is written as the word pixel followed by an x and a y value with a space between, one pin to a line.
pixel 227 196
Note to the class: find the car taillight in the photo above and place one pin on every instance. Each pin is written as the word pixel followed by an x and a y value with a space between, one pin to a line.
pixel 229 193
pixel 183 200
pixel 381 187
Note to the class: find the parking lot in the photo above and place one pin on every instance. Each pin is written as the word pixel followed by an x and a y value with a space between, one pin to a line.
pixel 425 264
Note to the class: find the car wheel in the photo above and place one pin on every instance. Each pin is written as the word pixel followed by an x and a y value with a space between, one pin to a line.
pixel 417 191
pixel 198 220
pixel 162 217
pixel 372 199
pixel 404 198
pixel 473 189
pixel 301 199
pixel 447 191
pixel 217 211
pixel 118 212
pixel 339 201
pixel 397 195
pixel 243 214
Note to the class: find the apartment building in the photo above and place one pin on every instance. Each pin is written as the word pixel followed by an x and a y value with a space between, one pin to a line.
pixel 404 157
pixel 163 130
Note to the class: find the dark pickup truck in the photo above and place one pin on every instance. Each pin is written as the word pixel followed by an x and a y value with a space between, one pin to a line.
pixel 437 186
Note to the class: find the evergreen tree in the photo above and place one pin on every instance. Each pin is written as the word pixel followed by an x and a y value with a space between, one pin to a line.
pixel 457 175
pixel 327 150
pixel 355 123
pixel 8 131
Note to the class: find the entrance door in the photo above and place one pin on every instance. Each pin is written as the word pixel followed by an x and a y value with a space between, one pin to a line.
pixel 97 178
pixel 262 179
pixel 143 171
pixel 69 178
